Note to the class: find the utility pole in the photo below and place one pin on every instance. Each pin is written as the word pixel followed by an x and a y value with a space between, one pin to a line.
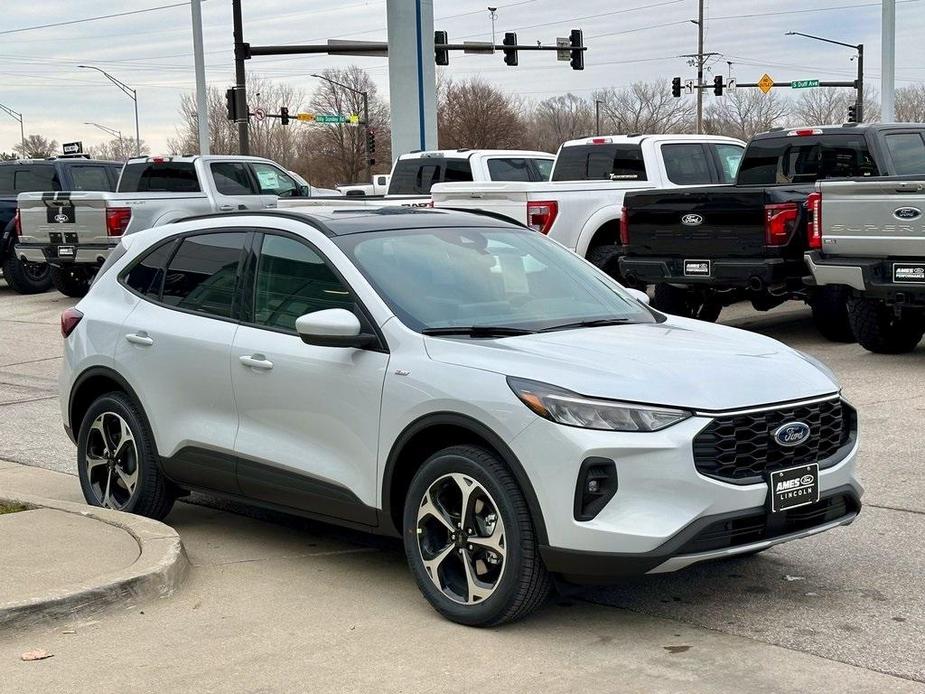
pixel 597 116
pixel 700 68
pixel 888 62
pixel 240 94
pixel 202 101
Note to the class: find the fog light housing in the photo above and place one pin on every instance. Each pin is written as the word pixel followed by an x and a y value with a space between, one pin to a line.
pixel 595 487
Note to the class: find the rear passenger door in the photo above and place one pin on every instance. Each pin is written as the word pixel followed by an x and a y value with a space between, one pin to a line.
pixel 309 415
pixel 179 339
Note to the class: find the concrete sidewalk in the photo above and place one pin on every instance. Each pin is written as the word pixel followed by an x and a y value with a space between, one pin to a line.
pixel 286 605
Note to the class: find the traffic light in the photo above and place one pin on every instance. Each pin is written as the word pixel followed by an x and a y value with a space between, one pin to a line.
pixel 441 55
pixel 718 85
pixel 283 115
pixel 676 87
pixel 576 39
pixel 510 54
pixel 852 113
pixel 231 104
pixel 370 141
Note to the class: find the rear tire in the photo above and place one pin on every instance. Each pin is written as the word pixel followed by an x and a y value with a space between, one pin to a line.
pixel 607 258
pixel 879 329
pixel 830 313
pixel 685 303
pixel 483 566
pixel 71 280
pixel 27 278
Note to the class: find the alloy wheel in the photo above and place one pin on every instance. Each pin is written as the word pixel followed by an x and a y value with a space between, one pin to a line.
pixel 461 539
pixel 112 461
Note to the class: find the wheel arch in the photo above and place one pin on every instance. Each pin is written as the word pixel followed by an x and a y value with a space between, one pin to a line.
pixel 92 383
pixel 606 220
pixel 429 434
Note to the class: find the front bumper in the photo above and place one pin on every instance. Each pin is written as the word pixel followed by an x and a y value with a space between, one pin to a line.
pixel 84 254
pixel 873 277
pixel 724 272
pixel 665 514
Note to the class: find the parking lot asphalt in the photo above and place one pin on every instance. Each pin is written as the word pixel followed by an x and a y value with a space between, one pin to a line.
pixel 852 596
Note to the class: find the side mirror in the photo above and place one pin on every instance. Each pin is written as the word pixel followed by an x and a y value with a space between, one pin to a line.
pixel 641 297
pixel 305 191
pixel 333 327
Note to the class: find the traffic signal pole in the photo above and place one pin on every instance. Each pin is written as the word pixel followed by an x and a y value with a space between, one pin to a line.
pixel 700 68
pixel 240 76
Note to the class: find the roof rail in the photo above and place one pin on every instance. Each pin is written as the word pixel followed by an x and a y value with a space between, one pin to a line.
pixel 295 216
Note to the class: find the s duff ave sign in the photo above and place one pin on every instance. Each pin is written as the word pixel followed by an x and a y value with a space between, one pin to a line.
pixel 804 84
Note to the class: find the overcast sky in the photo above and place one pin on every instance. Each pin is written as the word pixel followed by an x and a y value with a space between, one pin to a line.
pixel 627 40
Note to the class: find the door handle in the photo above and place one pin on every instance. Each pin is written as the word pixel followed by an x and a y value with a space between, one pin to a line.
pixel 225 208
pixel 140 338
pixel 256 361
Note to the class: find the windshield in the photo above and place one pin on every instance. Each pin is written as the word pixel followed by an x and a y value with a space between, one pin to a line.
pixel 509 278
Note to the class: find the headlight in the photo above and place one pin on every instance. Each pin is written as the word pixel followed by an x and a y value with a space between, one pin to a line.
pixel 565 407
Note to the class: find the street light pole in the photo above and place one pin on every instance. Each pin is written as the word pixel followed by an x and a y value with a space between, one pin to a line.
pixel 859 82
pixel 365 96
pixel 111 131
pixel 17 116
pixel 128 91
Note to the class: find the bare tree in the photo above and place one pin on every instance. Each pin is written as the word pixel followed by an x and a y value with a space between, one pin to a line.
pixel 118 149
pixel 910 104
pixel 821 106
pixel 645 107
pixel 558 119
pixel 473 113
pixel 744 112
pixel 7 156
pixel 337 153
pixel 37 147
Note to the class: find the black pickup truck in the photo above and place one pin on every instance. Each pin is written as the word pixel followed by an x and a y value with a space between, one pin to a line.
pixel 31 175
pixel 706 248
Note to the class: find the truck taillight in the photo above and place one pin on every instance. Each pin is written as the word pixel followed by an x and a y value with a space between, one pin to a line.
pixel 117 219
pixel 541 215
pixel 69 320
pixel 17 224
pixel 624 228
pixel 779 222
pixel 814 225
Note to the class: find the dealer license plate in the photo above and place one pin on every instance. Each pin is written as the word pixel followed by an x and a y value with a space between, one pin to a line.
pixel 793 487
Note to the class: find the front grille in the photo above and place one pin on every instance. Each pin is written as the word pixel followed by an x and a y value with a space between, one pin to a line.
pixel 741 449
pixel 758 527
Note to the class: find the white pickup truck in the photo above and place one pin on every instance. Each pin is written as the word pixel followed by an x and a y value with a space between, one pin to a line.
pixel 413 175
pixel 73 231
pixel 582 205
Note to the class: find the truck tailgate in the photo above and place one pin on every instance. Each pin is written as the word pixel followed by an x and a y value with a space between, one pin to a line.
pixel 873 219
pixel 508 199
pixel 63 218
pixel 707 222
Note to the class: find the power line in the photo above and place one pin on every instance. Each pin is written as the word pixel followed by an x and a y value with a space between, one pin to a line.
pixel 93 19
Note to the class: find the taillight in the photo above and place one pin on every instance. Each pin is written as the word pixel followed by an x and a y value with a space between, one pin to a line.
pixel 814 225
pixel 624 228
pixel 541 215
pixel 779 222
pixel 69 320
pixel 117 219
pixel 17 224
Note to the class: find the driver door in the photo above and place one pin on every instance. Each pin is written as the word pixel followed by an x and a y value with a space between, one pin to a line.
pixel 272 180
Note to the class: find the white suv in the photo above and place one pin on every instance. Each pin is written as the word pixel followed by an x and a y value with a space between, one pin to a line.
pixel 452 378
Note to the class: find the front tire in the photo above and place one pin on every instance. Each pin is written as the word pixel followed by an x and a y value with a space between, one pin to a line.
pixel 470 540
pixel 117 460
pixel 830 313
pixel 679 301
pixel 25 277
pixel 71 280
pixel 879 329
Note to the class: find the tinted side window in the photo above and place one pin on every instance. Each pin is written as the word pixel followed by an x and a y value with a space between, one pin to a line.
pixel 292 280
pixel 686 164
pixel 159 177
pixel 232 178
pixel 509 170
pixel 90 178
pixel 600 162
pixel 908 152
pixel 455 170
pixel 806 159
pixel 30 178
pixel 203 273
pixel 417 176
pixel 147 274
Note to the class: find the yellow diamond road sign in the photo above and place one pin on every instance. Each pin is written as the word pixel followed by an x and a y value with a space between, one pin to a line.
pixel 306 117
pixel 765 83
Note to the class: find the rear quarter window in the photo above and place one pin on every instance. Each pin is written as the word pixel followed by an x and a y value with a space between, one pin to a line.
pixel 159 177
pixel 417 176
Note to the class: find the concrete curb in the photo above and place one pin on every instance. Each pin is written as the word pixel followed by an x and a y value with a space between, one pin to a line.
pixel 158 571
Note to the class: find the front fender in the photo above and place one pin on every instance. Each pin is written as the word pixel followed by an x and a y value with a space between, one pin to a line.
pixel 610 213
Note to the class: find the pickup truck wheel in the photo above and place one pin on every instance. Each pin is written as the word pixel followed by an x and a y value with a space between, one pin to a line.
pixel 607 258
pixel 71 281
pixel 830 313
pixel 880 330
pixel 470 541
pixel 685 303
pixel 27 278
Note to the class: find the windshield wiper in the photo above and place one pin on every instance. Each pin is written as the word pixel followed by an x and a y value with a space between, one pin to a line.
pixel 478 331
pixel 587 324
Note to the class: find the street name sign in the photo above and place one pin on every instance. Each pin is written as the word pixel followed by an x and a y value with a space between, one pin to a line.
pixel 804 84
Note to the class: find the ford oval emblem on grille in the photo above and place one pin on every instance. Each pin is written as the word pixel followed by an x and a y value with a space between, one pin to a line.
pixel 791 434
pixel 692 220
pixel 61 218
pixel 907 213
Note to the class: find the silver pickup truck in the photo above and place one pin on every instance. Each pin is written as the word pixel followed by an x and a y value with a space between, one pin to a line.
pixel 73 231
pixel 869 236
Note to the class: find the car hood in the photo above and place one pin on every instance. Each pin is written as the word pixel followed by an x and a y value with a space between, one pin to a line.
pixel 679 362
